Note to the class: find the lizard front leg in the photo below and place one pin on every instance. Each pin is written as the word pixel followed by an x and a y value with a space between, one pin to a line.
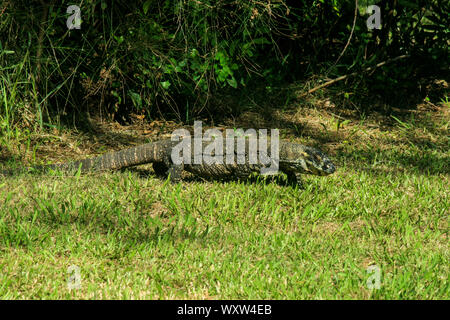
pixel 295 178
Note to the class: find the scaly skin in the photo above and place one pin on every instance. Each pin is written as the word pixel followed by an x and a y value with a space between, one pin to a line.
pixel 294 160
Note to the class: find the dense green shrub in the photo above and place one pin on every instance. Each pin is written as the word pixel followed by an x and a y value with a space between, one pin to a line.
pixel 168 58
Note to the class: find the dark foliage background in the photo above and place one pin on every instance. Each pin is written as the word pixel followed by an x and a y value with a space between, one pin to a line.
pixel 176 59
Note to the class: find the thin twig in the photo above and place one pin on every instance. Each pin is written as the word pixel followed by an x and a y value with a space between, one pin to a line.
pixel 4 8
pixel 349 38
pixel 328 83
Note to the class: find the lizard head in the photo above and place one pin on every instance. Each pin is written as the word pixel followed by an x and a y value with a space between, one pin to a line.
pixel 309 160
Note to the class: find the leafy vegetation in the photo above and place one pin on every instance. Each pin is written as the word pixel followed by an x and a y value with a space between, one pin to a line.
pixel 176 59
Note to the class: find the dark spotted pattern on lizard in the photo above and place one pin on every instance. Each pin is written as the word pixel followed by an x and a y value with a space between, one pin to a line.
pixel 294 160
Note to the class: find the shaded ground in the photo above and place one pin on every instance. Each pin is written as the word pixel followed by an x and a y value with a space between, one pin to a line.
pixel 406 139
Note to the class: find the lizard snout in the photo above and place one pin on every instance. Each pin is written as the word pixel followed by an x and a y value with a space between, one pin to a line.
pixel 328 167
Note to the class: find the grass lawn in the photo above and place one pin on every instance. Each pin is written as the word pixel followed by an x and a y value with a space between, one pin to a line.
pixel 132 235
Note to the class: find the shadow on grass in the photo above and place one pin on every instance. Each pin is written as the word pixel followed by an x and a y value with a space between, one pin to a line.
pixel 424 162
pixel 280 179
pixel 409 150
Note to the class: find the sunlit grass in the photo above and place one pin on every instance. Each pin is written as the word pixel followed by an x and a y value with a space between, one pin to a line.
pixel 136 236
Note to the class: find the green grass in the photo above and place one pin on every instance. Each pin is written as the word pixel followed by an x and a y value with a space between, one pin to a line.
pixel 140 237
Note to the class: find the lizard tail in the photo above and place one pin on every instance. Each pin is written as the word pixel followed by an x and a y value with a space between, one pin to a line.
pixel 149 152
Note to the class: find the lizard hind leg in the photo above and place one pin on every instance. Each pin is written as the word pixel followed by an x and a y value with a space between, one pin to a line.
pixel 174 172
pixel 168 169
pixel 160 168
